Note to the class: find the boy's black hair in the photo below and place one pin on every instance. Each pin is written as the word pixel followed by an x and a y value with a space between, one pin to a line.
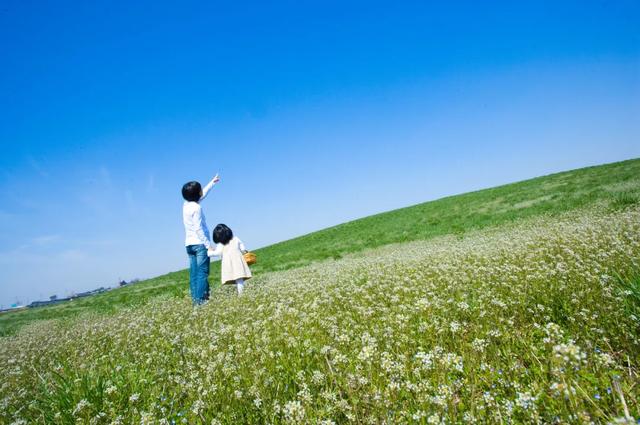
pixel 191 191
pixel 222 234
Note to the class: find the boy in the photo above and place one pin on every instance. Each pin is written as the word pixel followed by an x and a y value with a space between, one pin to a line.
pixel 197 238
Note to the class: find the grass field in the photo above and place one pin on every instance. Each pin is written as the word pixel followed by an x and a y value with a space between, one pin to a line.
pixel 519 304
pixel 613 185
pixel 531 322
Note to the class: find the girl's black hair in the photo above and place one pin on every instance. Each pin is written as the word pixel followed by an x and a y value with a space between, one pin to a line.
pixel 222 234
pixel 191 191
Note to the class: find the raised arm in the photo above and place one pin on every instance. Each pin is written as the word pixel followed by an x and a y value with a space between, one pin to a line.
pixel 209 186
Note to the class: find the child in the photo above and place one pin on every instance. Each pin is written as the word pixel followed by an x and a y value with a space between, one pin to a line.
pixel 234 267
pixel 197 238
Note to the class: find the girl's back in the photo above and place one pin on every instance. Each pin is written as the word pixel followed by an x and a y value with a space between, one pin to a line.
pixel 234 266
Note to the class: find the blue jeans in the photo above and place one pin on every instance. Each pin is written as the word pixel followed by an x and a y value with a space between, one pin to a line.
pixel 198 273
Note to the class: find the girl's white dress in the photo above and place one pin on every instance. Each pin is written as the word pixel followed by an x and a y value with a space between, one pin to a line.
pixel 233 265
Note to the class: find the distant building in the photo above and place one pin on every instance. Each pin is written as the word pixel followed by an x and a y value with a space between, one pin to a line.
pixel 43 303
pixel 55 300
pixel 89 293
pixel 131 282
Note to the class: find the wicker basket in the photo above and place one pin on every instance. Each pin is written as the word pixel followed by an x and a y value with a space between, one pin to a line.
pixel 250 258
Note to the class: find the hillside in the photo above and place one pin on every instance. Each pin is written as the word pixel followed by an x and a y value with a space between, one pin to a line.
pixel 613 186
pixel 532 321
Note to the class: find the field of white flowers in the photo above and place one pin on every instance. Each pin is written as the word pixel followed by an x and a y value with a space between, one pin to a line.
pixel 536 321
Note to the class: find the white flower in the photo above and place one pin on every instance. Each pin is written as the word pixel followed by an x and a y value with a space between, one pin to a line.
pixel 197 407
pixel 463 306
pixel 366 353
pixel 294 412
pixel 317 377
pixel 82 404
pixel 434 419
pixel 525 400
pixel 479 344
pixel 569 353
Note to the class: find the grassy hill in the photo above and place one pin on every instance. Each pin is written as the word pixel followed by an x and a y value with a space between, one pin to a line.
pixel 614 186
pixel 519 304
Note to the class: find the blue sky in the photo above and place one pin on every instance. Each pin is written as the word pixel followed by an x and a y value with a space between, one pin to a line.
pixel 313 113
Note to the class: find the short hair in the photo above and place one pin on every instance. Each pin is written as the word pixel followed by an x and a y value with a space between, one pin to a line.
pixel 222 234
pixel 191 191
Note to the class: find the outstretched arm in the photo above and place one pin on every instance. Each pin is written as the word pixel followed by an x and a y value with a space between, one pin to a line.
pixel 215 252
pixel 209 186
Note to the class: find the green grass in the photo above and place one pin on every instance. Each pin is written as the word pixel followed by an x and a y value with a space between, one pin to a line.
pixel 528 322
pixel 629 288
pixel 616 186
pixel 108 302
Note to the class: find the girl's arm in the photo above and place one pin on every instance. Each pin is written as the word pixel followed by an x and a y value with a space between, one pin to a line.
pixel 215 252
pixel 209 186
pixel 241 246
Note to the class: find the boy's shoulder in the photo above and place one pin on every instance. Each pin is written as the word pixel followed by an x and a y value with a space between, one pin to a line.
pixel 190 206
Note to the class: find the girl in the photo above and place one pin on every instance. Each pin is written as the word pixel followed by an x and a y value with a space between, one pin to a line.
pixel 234 267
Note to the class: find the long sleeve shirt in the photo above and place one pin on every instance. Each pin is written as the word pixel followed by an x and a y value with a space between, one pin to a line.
pixel 195 224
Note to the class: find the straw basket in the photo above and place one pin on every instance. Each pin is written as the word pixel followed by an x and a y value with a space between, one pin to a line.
pixel 250 258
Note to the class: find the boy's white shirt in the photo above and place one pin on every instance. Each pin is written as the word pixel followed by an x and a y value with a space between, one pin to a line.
pixel 195 224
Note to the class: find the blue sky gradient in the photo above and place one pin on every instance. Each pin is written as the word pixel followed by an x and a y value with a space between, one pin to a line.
pixel 313 113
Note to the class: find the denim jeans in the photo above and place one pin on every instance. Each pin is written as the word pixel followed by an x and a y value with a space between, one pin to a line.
pixel 198 273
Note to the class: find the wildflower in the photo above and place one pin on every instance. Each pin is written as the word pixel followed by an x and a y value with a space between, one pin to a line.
pixel 294 412
pixel 495 333
pixel 304 394
pixel 525 400
pixel 82 404
pixel 605 359
pixel 317 377
pixel 366 353
pixel 197 407
pixel 418 415
pixel 569 353
pixel 434 419
pixel 479 344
